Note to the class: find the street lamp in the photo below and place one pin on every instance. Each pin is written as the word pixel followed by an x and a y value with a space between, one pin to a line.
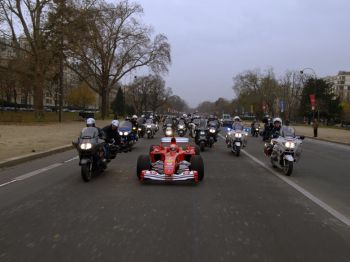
pixel 315 77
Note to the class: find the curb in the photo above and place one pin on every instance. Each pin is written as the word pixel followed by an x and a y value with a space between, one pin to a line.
pixel 21 159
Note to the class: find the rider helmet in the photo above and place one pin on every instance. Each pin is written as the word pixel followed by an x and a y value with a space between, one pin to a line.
pixel 277 121
pixel 173 148
pixel 115 123
pixel 90 122
pixel 237 118
pixel 134 117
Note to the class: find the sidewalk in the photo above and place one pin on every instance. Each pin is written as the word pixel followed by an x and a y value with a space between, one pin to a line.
pixel 18 140
pixel 328 134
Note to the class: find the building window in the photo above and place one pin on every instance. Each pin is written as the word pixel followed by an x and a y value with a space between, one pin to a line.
pixel 23 100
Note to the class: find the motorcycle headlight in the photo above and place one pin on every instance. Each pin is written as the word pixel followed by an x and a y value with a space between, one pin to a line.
pixel 140 129
pixel 181 126
pixel 134 128
pixel 202 133
pixel 120 133
pixel 212 130
pixel 238 135
pixel 86 146
pixel 168 132
pixel 149 126
pixel 289 144
pixel 126 133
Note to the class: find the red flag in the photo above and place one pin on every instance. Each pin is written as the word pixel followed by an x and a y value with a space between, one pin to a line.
pixel 312 101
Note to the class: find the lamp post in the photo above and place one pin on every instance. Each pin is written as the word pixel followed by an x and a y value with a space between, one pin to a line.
pixel 315 77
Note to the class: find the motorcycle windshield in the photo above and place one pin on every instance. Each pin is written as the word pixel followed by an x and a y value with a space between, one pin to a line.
pixel 168 121
pixel 287 131
pixel 213 123
pixel 202 124
pixel 125 126
pixel 89 133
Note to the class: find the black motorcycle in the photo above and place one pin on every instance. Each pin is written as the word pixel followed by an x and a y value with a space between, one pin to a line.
pixel 201 135
pixel 181 128
pixel 127 136
pixel 91 153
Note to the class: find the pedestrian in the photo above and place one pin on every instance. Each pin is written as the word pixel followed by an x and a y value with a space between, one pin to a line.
pixel 315 126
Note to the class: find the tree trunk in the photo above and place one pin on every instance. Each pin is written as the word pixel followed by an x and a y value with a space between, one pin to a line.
pixel 105 103
pixel 38 92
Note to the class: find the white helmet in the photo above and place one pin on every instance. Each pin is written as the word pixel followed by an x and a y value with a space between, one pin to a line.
pixel 115 123
pixel 134 116
pixel 90 121
pixel 236 118
pixel 277 119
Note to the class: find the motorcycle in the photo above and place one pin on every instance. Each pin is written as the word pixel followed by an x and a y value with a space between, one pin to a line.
pixel 284 152
pixel 255 130
pixel 91 153
pixel 168 130
pixel 236 140
pixel 212 135
pixel 181 129
pixel 127 137
pixel 150 128
pixel 201 138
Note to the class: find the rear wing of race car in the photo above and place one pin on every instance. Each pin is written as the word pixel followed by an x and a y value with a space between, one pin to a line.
pixel 178 139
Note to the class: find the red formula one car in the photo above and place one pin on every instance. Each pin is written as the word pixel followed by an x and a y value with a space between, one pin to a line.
pixel 171 162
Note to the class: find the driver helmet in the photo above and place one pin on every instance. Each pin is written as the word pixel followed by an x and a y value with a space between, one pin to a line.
pixel 90 122
pixel 151 117
pixel 173 148
pixel 115 123
pixel 127 118
pixel 277 120
pixel 134 117
pixel 237 118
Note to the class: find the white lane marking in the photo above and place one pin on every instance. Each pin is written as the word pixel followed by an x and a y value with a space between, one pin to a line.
pixel 36 172
pixel 301 190
pixel 7 183
pixel 72 159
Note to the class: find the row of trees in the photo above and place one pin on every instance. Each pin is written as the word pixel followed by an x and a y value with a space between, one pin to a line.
pixel 100 41
pixel 259 93
pixel 147 93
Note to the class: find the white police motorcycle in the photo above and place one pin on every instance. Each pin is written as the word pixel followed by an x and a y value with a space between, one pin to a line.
pixel 286 150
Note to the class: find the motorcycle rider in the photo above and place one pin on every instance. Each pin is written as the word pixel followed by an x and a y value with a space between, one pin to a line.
pixel 274 133
pixel 135 126
pixel 112 135
pixel 237 125
pixel 90 122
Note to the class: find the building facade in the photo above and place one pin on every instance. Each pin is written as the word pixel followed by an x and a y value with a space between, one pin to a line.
pixel 341 85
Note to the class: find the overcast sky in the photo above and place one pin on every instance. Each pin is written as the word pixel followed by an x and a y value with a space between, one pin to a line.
pixel 214 40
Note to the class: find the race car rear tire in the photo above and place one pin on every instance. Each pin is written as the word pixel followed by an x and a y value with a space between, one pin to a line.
pixel 198 165
pixel 143 163
pixel 197 150
pixel 151 148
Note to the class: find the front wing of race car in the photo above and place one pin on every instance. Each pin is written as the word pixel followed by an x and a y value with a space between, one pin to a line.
pixel 153 175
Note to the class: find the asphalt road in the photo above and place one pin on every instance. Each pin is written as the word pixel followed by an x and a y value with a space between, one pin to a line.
pixel 242 211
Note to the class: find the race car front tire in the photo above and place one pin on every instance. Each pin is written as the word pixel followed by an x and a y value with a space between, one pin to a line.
pixel 143 163
pixel 198 165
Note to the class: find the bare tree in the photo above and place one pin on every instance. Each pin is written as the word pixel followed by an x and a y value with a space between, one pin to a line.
pixel 24 22
pixel 109 42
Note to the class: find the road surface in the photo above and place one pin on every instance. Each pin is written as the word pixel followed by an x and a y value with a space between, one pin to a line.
pixel 242 211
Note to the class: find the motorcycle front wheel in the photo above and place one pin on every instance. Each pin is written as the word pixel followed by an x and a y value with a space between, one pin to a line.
pixel 202 145
pixel 86 172
pixel 288 168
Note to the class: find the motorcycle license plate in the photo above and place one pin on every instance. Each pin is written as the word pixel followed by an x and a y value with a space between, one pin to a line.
pixel 238 143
